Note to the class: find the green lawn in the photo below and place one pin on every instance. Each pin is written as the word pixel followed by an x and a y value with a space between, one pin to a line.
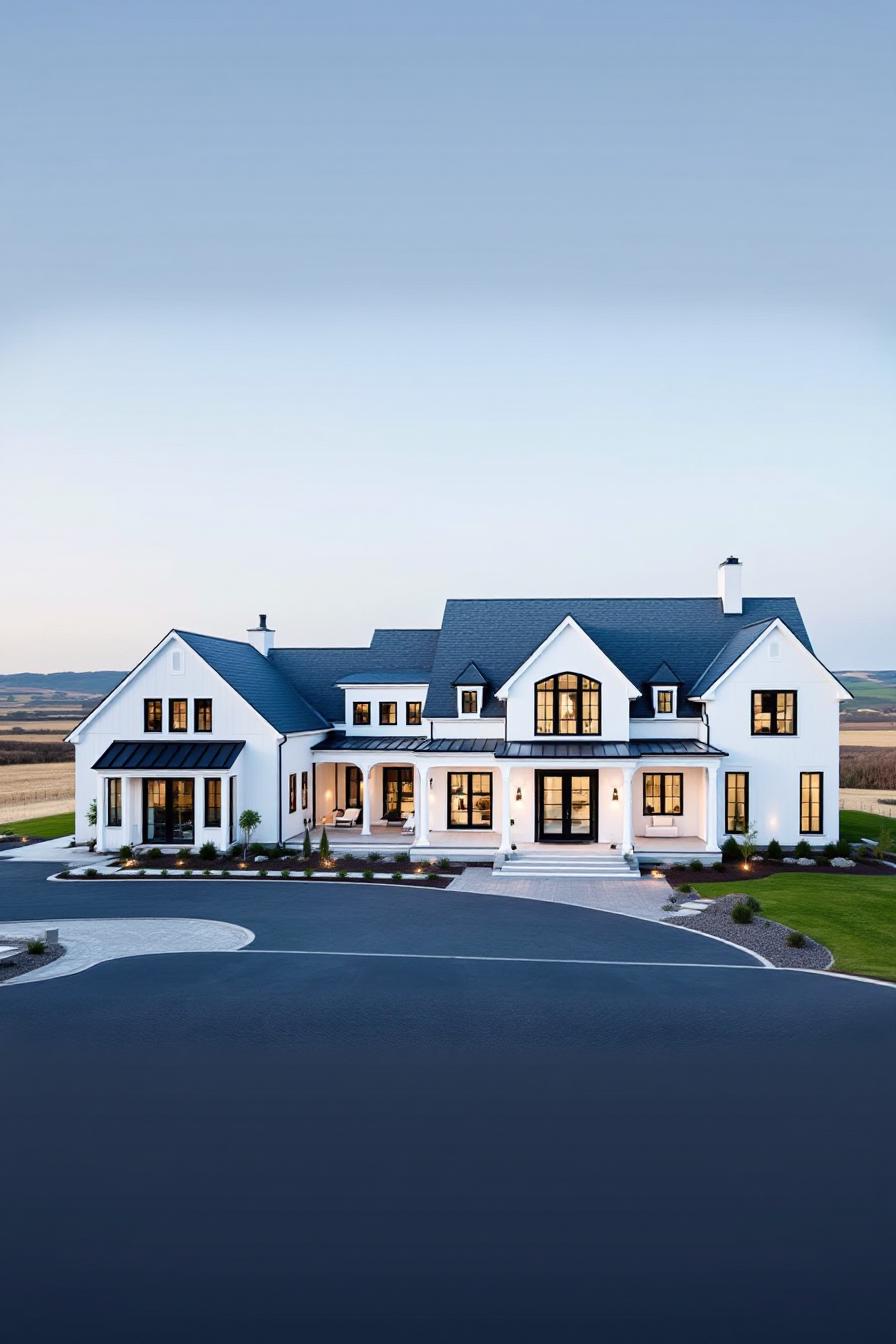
pixel 855 826
pixel 854 916
pixel 48 828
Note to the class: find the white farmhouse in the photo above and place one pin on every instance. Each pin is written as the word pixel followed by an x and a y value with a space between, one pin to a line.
pixel 639 727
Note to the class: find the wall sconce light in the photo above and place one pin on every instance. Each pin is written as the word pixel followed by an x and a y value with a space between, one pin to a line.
pixel 431 781
pixel 615 795
pixel 519 794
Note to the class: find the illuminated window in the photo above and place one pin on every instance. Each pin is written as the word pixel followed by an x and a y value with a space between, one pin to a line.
pixel 664 702
pixel 737 801
pixel 152 716
pixel 811 802
pixel 469 702
pixel 413 713
pixel 662 795
pixel 202 716
pixel 470 801
pixel 292 793
pixel 113 802
pixel 213 802
pixel 177 716
pixel 566 704
pixel 361 712
pixel 388 713
pixel 774 712
pixel 304 790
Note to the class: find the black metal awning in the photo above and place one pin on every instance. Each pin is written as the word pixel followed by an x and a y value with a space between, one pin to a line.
pixel 169 756
pixel 626 751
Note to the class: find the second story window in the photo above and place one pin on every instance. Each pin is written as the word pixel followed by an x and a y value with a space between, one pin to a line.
pixel 469 702
pixel 177 716
pixel 152 716
pixel 202 716
pixel 388 712
pixel 774 712
pixel 413 713
pixel 567 704
pixel 361 713
pixel 664 702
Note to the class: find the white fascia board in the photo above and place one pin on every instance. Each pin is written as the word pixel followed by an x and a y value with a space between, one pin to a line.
pixel 372 685
pixel 781 628
pixel 568 623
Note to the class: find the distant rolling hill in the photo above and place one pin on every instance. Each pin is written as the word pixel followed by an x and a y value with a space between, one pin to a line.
pixel 874 695
pixel 71 683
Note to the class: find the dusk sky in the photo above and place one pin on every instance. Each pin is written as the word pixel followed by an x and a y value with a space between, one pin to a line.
pixel 336 310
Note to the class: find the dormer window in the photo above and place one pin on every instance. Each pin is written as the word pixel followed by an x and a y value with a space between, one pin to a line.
pixel 664 700
pixel 567 704
pixel 469 702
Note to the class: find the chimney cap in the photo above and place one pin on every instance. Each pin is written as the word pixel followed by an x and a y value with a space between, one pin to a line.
pixel 263 621
pixel 731 560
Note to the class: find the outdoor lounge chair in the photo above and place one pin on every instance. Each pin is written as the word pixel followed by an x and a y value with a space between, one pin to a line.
pixel 410 825
pixel 348 817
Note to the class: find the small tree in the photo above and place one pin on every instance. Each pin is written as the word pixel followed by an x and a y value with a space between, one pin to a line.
pixel 90 814
pixel 731 850
pixel 306 844
pixel 884 842
pixel 324 845
pixel 748 844
pixel 249 822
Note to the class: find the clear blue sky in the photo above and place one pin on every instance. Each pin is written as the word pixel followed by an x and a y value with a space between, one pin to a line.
pixel 334 310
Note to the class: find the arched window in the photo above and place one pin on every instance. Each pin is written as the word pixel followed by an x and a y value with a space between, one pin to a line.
pixel 567 703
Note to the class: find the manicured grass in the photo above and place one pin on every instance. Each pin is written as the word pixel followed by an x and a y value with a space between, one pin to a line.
pixel 855 826
pixel 47 828
pixel 854 916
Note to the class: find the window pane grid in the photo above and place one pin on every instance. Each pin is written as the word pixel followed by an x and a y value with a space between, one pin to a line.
pixel 736 801
pixel 663 795
pixel 567 704
pixel 811 802
pixel 774 713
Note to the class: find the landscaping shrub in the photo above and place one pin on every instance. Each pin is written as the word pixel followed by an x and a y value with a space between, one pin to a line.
pixel 829 852
pixel 324 846
pixel 741 913
pixel 343 872
pixel 225 872
pixel 163 873
pixel 731 850
pixel 309 872
pixel 257 848
pixel 684 888
pixel 208 851
pixel 754 905
pixel 262 872
pixel 348 858
pixel 188 872
pixel 444 863
pixel 774 851
pixel 367 874
pixel 695 865
pixel 141 872
pixel 306 844
pixel 91 872
pixel 803 850
pixel 36 946
pixel 207 873
pixel 431 876
pixel 154 855
pixel 401 856
pixel 397 877
pixel 884 842
pixel 795 939
pixel 843 848
pixel 126 852
pixel 718 867
pixel 183 855
pixel 373 856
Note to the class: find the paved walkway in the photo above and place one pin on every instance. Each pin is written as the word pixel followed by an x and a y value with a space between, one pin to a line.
pixel 87 942
pixel 47 851
pixel 645 898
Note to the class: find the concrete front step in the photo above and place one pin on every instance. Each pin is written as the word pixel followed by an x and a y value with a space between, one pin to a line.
pixel 595 866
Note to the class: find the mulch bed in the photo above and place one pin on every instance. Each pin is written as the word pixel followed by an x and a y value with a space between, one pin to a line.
pixel 356 862
pixel 763 935
pixel 734 872
pixel 27 961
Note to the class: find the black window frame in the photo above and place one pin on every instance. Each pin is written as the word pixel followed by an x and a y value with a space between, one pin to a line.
pixel 416 719
pixel 471 825
pixel 660 696
pixel 465 697
pixel 401 775
pixel 304 790
pixel 178 700
pixel 812 774
pixel 199 708
pixel 774 730
pixel 555 692
pixel 388 705
pixel 209 811
pixel 149 727
pixel 293 793
pixel 361 713
pixel 662 776
pixel 730 776
pixel 113 800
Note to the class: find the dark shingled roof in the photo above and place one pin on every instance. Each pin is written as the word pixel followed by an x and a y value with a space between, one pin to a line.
pixel 258 681
pixel 636 633
pixel 471 676
pixel 663 676
pixel 413 676
pixel 315 672
pixel 169 755
pixel 729 653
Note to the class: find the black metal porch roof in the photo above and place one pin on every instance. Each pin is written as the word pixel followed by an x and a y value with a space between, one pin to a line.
pixel 169 756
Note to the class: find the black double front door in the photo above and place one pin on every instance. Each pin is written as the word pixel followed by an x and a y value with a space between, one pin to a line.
pixel 168 815
pixel 566 806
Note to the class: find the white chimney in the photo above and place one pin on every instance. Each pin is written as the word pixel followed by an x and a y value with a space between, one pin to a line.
pixel 261 638
pixel 730 587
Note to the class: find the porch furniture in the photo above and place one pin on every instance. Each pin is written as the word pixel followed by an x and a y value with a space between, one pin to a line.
pixel 410 826
pixel 393 818
pixel 348 817
pixel 660 828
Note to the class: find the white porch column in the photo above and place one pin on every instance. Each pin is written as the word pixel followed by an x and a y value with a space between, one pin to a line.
pixel 422 807
pixel 365 800
pixel 125 810
pixel 225 810
pixel 628 774
pixel 101 814
pixel 505 809
pixel 712 806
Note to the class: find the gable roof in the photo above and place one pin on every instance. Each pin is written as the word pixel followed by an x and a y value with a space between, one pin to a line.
pixel 637 634
pixel 729 653
pixel 259 683
pixel 664 676
pixel 471 676
pixel 315 673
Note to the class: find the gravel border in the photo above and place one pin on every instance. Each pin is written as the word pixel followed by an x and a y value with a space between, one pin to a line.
pixel 764 936
pixel 28 961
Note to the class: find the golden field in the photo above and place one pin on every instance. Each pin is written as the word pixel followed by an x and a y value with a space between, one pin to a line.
pixel 36 790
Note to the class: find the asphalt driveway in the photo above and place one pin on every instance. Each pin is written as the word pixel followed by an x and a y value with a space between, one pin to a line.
pixel 272 1145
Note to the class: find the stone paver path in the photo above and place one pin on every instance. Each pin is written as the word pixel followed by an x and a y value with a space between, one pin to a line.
pixel 88 942
pixel 644 898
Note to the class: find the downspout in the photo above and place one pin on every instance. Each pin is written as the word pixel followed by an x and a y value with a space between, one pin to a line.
pixel 280 791
pixel 705 719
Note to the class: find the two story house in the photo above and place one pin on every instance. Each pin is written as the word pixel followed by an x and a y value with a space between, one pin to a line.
pixel 643 727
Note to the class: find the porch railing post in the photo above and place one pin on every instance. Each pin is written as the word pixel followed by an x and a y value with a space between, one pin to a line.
pixel 422 808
